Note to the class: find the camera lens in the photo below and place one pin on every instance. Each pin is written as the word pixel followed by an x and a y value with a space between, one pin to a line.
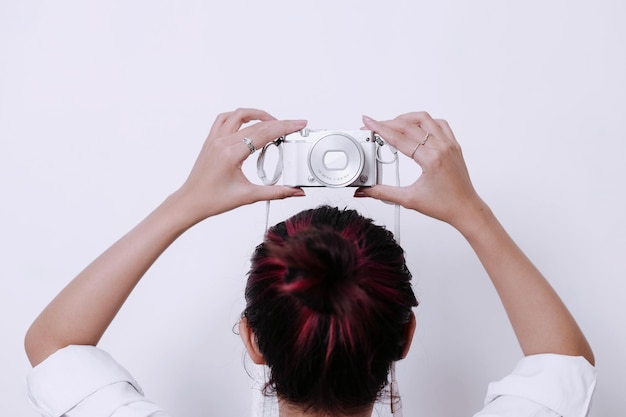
pixel 336 159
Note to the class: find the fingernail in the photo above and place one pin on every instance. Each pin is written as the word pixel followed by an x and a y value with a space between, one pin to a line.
pixel 298 192
pixel 360 193
pixel 368 119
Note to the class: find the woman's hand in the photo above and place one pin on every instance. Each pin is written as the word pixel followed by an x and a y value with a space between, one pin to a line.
pixel 443 190
pixel 216 183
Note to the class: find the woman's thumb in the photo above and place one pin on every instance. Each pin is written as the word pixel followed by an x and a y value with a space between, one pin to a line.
pixel 276 192
pixel 383 192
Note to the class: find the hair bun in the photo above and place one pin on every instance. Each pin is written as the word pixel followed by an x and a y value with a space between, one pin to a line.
pixel 320 263
pixel 328 297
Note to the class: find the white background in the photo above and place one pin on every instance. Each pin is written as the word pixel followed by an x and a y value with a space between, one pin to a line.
pixel 104 104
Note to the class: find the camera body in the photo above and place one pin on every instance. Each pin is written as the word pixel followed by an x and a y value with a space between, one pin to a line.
pixel 330 158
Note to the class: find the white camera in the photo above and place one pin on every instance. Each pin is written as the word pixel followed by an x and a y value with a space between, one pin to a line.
pixel 329 158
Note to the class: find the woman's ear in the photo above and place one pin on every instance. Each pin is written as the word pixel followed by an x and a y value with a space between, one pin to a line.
pixel 249 340
pixel 409 331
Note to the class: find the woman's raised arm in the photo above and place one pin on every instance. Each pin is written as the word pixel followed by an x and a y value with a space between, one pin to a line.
pixel 83 310
pixel 444 191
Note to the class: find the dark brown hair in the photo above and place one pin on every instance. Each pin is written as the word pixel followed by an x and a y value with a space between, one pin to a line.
pixel 328 295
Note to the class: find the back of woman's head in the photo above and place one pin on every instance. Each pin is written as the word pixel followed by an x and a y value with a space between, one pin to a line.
pixel 328 296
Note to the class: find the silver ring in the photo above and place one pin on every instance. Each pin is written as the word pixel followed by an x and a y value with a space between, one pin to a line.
pixel 249 144
pixel 420 144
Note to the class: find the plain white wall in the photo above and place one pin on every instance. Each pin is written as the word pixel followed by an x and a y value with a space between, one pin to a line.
pixel 104 104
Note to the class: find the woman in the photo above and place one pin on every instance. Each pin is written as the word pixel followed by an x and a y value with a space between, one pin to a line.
pixel 305 261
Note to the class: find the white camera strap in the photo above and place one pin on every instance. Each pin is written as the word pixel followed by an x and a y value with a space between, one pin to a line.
pixel 394 160
pixel 395 400
pixel 260 163
pixel 278 172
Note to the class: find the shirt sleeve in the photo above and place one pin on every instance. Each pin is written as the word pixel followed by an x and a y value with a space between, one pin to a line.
pixel 547 385
pixel 84 381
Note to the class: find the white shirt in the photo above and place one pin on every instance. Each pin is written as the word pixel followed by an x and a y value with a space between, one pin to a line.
pixel 84 381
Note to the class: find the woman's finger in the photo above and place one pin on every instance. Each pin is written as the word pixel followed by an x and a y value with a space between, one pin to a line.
pixel 401 134
pixel 261 134
pixel 230 122
pixel 428 124
pixel 274 192
pixel 447 130
pixel 392 136
pixel 242 116
pixel 219 123
pixel 383 192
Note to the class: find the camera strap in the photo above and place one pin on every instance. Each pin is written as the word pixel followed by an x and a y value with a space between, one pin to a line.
pixel 395 400
pixel 260 163
pixel 394 160
pixel 260 169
